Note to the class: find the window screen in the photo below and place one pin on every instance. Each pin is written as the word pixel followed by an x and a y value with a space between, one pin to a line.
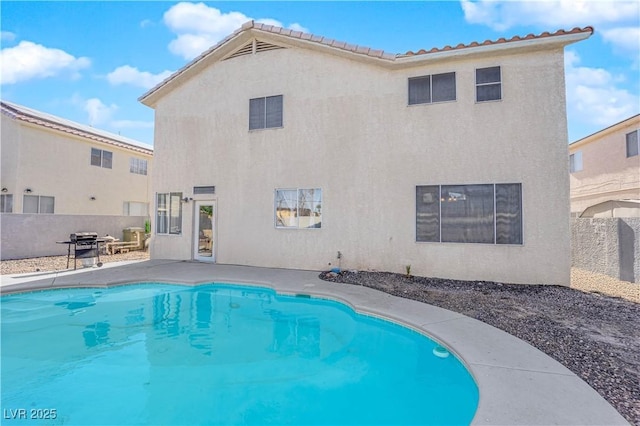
pixel 432 88
pixel 485 213
pixel 265 113
pixel 488 84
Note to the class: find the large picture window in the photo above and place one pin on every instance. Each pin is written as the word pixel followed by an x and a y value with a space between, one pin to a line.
pixel 432 88
pixel 487 213
pixel 265 113
pixel 298 208
pixel 169 213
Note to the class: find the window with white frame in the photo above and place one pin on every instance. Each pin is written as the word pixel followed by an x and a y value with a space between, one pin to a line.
pixel 138 166
pixel 432 88
pixel 169 213
pixel 575 162
pixel 633 143
pixel 298 208
pixel 101 158
pixel 6 203
pixel 488 84
pixel 265 113
pixel 485 213
pixel 135 208
pixel 38 204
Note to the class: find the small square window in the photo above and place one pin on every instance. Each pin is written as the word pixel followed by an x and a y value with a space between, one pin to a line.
pixel 488 84
pixel 101 158
pixel 265 113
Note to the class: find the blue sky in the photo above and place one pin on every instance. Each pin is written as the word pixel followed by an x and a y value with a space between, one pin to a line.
pixel 90 61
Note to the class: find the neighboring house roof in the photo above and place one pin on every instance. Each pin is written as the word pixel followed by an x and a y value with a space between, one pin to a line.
pixel 603 132
pixel 39 118
pixel 236 44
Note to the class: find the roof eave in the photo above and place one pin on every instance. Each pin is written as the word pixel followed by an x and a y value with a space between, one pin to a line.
pixel 496 48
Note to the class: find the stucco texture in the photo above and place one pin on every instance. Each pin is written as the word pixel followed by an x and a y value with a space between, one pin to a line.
pixel 348 130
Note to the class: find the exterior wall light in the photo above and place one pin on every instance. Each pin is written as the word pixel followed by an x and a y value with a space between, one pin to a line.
pixel 92 198
pixel 28 191
pixel 4 189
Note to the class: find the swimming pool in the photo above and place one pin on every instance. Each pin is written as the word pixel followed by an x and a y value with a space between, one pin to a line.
pixel 154 353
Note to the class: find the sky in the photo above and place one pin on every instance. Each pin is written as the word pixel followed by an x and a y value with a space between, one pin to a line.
pixel 90 61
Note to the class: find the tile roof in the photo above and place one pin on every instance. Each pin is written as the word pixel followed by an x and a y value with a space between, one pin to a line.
pixel 381 54
pixel 22 113
pixel 501 40
pixel 375 54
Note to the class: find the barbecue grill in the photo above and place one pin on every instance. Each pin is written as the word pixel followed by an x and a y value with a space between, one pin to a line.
pixel 85 246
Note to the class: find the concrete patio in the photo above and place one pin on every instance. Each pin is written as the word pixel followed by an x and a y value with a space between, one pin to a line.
pixel 518 384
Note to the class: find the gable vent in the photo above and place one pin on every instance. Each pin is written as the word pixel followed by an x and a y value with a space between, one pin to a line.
pixel 261 46
pixel 254 46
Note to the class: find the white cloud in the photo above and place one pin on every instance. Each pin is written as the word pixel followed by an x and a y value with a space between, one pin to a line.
pixel 99 113
pixel 29 60
pixel 502 15
pixel 130 75
pixel 7 36
pixel 627 39
pixel 199 27
pixel 593 97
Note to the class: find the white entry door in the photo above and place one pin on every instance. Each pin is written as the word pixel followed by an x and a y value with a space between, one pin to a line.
pixel 204 231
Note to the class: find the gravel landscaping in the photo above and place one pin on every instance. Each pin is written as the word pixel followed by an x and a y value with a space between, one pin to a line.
pixel 594 335
pixel 59 263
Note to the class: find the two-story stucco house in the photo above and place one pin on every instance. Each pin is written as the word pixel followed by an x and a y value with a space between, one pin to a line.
pixel 605 172
pixel 58 175
pixel 283 149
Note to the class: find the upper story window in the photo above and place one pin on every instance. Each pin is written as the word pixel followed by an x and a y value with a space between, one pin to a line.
pixel 6 203
pixel 169 213
pixel 265 113
pixel 633 142
pixel 101 158
pixel 488 84
pixel 575 162
pixel 432 88
pixel 37 204
pixel 138 166
pixel 298 208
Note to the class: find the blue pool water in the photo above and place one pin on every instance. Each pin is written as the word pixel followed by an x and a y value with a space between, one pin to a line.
pixel 218 354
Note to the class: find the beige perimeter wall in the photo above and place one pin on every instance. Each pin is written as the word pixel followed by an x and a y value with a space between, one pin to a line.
pixel 348 130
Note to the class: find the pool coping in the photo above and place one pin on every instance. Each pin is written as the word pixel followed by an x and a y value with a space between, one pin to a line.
pixel 518 384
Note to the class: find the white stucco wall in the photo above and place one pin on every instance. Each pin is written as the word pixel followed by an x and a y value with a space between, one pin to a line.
pixel 53 163
pixel 348 130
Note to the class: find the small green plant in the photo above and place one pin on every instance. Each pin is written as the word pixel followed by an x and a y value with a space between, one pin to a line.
pixel 147 226
pixel 407 268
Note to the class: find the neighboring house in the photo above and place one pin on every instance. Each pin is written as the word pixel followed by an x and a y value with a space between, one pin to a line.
pixel 605 172
pixel 60 170
pixel 302 149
